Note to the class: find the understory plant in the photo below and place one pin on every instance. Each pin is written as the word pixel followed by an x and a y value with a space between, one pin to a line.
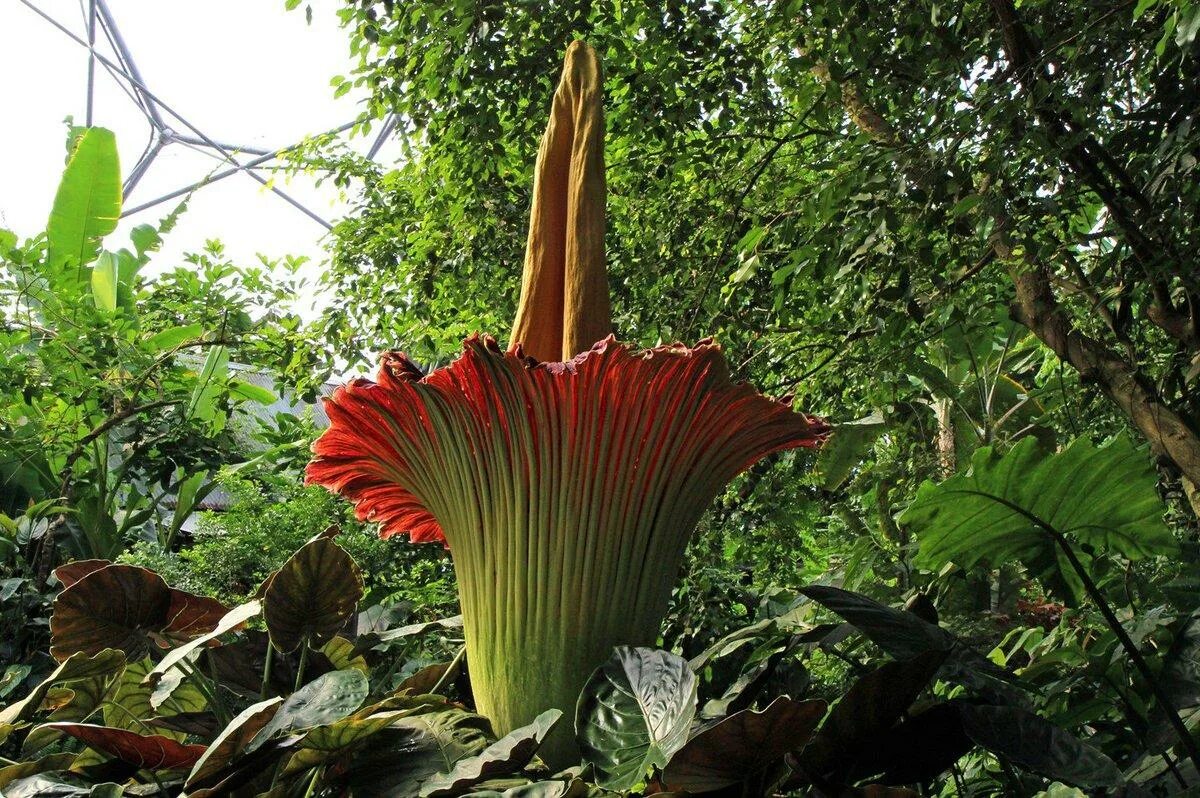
pixel 155 691
pixel 565 473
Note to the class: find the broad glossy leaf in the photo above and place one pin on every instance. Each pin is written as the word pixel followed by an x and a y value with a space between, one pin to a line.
pixel 149 751
pixel 120 606
pixel 424 680
pixel 88 202
pixel 1105 497
pixel 369 640
pixel 324 700
pixel 340 653
pixel 510 754
pixel 106 275
pixel 200 724
pixel 41 786
pixel 559 788
pixel 73 701
pixel 231 742
pixel 901 634
pixel 251 392
pixel 128 703
pixel 340 738
pixel 871 706
pixel 72 572
pixel 190 615
pixel 173 337
pixel 401 757
pixel 76 667
pixel 312 595
pixel 742 745
pixel 202 405
pixel 1031 742
pixel 13 675
pixel 111 607
pixel 634 713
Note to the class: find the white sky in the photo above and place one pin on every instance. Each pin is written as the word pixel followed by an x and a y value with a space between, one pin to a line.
pixel 243 71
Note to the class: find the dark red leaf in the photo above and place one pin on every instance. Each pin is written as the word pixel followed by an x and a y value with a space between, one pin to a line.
pixel 72 572
pixel 147 751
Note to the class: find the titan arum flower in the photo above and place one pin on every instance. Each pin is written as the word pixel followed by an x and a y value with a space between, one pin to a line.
pixel 565 473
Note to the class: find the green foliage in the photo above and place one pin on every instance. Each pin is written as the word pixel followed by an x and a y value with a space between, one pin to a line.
pixel 234 550
pixel 86 209
pixel 634 714
pixel 1024 505
pixel 846 197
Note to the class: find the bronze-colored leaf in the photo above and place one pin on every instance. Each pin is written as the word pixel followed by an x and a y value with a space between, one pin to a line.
pixel 201 724
pixel 72 572
pixel 230 743
pixel 312 595
pixel 112 607
pixel 424 680
pixel 146 751
pixel 743 745
pixel 191 615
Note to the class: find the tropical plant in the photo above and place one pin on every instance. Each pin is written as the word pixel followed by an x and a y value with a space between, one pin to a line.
pixel 565 474
pixel 157 691
pixel 230 552
pixel 117 391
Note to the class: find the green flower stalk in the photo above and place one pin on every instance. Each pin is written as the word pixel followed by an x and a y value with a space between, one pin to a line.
pixel 565 485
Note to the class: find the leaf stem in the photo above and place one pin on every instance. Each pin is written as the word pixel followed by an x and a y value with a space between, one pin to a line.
pixel 266 676
pixel 300 666
pixel 1135 655
pixel 450 668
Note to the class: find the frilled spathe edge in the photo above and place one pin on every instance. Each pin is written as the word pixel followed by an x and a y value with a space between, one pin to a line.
pixel 410 450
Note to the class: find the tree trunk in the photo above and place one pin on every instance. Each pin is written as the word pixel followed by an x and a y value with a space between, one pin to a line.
pixel 1171 436
pixel 947 444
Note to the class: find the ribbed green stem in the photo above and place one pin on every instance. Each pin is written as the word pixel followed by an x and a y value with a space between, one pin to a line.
pixel 524 663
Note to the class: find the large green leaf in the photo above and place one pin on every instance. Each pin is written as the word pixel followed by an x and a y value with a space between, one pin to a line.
pixel 510 754
pixel 905 635
pixel 45 764
pixel 743 745
pixel 340 738
pixel 846 447
pixel 230 745
pixel 324 700
pixel 76 667
pixel 113 276
pixel 88 202
pixel 403 756
pixel 233 619
pixel 40 786
pixel 312 595
pixel 1000 509
pixel 634 714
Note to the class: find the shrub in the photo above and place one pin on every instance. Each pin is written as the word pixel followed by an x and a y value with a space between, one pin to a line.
pixel 233 550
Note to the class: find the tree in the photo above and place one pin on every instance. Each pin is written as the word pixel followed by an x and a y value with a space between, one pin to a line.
pixel 816 183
